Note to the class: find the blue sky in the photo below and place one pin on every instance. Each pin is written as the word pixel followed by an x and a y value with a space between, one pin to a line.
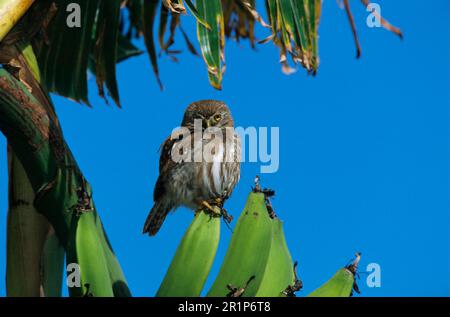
pixel 364 150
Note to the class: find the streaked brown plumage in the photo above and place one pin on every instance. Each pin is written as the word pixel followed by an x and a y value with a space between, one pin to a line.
pixel 190 183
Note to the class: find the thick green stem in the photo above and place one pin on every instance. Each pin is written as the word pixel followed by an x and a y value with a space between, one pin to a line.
pixel 26 235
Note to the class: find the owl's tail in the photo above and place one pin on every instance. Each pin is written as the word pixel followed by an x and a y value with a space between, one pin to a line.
pixel 156 218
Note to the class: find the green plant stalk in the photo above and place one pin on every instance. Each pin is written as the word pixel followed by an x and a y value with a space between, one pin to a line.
pixel 29 249
pixel 26 235
pixel 248 252
pixel 279 272
pixel 193 259
pixel 10 12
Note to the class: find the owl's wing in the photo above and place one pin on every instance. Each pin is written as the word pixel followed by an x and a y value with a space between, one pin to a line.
pixel 166 149
pixel 165 165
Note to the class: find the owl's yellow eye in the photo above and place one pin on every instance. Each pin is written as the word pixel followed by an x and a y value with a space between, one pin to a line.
pixel 217 117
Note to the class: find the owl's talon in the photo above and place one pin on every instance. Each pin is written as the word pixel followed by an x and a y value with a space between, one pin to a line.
pixel 214 210
pixel 219 202
pixel 226 216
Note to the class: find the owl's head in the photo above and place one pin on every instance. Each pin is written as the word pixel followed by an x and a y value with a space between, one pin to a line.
pixel 213 113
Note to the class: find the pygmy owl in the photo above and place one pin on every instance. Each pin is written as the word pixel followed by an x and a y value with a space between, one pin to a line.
pixel 201 167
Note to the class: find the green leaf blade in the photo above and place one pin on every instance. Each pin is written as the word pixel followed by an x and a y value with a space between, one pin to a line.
pixel 211 40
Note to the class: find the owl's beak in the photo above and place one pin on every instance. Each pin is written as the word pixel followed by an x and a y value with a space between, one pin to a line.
pixel 209 122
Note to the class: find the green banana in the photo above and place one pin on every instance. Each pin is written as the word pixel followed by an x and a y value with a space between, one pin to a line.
pixel 86 250
pixel 279 272
pixel 119 283
pixel 341 284
pixel 245 262
pixel 190 267
pixel 52 266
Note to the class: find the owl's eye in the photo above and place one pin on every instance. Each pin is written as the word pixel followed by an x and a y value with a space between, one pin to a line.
pixel 217 117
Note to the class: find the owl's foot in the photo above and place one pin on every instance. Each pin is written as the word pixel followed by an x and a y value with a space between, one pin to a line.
pixel 226 216
pixel 215 207
pixel 219 202
pixel 214 210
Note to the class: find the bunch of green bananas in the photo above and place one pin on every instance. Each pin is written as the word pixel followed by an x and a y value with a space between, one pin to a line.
pixel 89 248
pixel 257 263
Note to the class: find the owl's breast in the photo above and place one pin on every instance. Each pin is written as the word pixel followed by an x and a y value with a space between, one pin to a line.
pixel 212 173
pixel 221 169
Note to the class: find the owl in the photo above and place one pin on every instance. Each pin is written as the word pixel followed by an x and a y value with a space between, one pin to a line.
pixel 199 169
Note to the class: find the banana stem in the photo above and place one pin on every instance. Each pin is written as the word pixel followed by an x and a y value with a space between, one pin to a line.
pixel 10 12
pixel 26 235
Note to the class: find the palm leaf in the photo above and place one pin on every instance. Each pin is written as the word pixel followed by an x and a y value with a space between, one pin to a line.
pixel 106 47
pixel 238 20
pixel 64 61
pixel 148 19
pixel 295 31
pixel 212 40
pixel 67 53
